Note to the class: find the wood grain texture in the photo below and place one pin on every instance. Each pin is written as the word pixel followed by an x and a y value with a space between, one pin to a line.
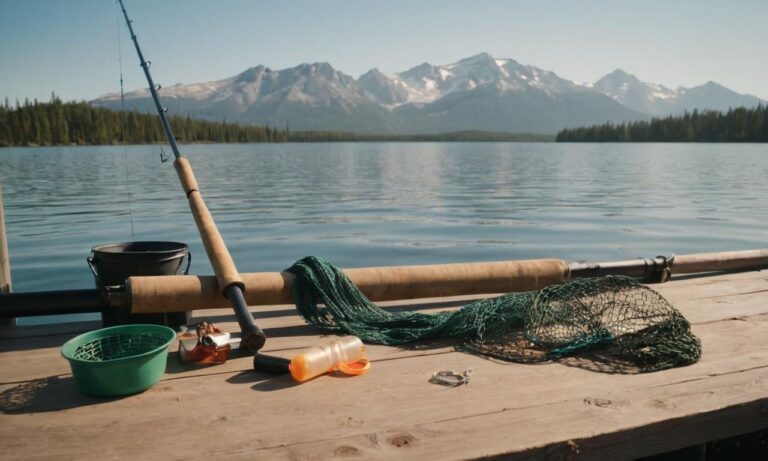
pixel 549 411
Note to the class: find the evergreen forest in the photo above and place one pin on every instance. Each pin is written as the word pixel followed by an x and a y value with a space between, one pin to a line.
pixel 57 123
pixel 736 125
pixel 34 123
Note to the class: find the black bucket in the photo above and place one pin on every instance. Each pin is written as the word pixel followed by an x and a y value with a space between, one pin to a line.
pixel 113 263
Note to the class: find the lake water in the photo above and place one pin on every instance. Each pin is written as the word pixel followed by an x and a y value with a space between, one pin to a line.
pixel 371 204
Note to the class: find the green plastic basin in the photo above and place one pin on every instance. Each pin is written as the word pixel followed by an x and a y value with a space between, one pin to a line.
pixel 119 360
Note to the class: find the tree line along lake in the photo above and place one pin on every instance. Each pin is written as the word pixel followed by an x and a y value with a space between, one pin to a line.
pixel 78 123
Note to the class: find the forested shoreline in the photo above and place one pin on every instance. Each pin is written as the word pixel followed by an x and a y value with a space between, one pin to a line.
pixel 736 125
pixel 57 123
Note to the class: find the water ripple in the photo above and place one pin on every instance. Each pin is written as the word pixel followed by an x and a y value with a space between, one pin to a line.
pixel 365 204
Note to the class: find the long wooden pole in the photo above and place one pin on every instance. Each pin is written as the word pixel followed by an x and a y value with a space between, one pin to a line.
pixel 722 261
pixel 5 260
pixel 181 293
pixel 187 292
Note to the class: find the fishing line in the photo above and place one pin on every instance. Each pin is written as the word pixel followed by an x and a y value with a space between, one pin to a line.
pixel 122 123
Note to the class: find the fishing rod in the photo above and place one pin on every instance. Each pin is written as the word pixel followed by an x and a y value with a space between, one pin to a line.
pixel 229 282
pixel 176 293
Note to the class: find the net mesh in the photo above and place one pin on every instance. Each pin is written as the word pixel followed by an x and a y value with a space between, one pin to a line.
pixel 615 319
pixel 118 346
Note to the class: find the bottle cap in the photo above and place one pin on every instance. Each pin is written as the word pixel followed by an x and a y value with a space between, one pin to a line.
pixel 358 367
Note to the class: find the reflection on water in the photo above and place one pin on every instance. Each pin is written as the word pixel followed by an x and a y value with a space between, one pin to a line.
pixel 366 204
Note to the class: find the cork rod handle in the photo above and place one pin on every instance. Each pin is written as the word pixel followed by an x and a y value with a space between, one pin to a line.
pixel 218 254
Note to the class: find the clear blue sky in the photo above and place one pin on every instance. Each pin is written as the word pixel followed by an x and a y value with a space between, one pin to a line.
pixel 70 46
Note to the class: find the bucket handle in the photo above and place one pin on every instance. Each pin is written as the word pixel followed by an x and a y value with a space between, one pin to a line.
pixel 109 288
pixel 189 261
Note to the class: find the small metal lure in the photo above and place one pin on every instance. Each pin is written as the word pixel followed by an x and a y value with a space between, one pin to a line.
pixel 450 378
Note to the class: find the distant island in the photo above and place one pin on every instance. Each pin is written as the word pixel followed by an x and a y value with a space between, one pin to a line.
pixel 58 123
pixel 735 125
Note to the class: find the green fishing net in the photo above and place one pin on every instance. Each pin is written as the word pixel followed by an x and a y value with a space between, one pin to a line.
pixel 611 319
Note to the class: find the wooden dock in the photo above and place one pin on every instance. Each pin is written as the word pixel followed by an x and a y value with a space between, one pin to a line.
pixel 548 411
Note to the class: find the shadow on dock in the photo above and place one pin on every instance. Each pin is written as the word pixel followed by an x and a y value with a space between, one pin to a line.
pixel 263 382
pixel 54 393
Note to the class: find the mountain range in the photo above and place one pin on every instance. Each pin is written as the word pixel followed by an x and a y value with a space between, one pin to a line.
pixel 477 93
pixel 659 100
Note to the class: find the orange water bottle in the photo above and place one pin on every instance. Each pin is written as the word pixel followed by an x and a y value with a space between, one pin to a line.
pixel 346 355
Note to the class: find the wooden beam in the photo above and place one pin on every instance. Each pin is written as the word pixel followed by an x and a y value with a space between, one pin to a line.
pixel 5 261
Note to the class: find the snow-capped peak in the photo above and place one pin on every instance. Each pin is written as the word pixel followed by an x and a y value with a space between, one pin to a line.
pixel 657 99
pixel 478 92
pixel 427 83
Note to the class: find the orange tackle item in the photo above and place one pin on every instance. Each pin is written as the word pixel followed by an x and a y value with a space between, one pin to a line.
pixel 206 344
pixel 346 355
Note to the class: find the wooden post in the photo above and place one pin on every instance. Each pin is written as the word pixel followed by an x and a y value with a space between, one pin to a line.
pixel 5 262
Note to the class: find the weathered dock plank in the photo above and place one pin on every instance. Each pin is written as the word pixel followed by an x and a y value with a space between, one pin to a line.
pixel 553 410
